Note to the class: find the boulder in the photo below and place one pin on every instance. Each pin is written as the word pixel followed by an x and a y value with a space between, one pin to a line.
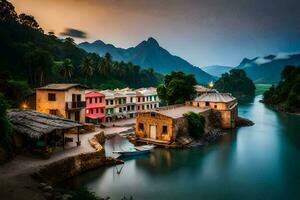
pixel 244 122
pixel 100 137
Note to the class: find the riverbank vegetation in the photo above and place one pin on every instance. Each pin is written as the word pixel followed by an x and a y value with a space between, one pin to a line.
pixel 237 83
pixel 286 95
pixel 177 88
pixel 196 124
pixel 31 58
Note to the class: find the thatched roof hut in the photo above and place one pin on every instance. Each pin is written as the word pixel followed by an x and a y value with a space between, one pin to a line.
pixel 35 124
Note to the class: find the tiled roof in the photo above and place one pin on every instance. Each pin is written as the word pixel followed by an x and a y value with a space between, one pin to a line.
pixel 61 86
pixel 178 112
pixel 215 97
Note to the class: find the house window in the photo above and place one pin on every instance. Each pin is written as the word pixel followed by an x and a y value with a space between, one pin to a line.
pixel 90 100
pixel 51 97
pixel 141 126
pixel 198 105
pixel 102 110
pixel 120 101
pixel 100 99
pixel 53 112
pixel 164 130
pixel 97 110
pixel 152 114
pixel 120 109
pixel 111 102
pixel 215 106
pixel 138 107
pixel 206 103
pixel 96 100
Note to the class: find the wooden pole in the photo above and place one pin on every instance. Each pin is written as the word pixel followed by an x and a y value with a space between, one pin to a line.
pixel 63 133
pixel 78 141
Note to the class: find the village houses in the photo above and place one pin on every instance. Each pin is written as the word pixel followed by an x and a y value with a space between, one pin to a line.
pixel 165 124
pixel 63 100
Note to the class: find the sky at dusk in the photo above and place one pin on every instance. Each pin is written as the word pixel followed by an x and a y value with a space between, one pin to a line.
pixel 204 32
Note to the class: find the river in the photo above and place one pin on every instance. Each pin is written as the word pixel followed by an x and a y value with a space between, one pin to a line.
pixel 258 162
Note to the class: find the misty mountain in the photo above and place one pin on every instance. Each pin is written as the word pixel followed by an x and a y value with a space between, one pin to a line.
pixel 148 54
pixel 268 69
pixel 216 70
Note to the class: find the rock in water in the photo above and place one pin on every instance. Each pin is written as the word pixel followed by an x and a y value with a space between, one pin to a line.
pixel 244 122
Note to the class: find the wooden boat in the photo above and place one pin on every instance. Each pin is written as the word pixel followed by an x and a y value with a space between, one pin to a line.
pixel 136 151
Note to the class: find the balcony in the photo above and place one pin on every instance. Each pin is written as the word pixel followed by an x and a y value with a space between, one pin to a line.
pixel 75 105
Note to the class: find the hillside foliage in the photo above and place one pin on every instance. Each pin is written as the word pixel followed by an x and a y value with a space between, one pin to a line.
pixel 237 83
pixel 286 95
pixel 29 55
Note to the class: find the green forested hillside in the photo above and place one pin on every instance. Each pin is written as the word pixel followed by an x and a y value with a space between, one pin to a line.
pixel 30 58
pixel 286 95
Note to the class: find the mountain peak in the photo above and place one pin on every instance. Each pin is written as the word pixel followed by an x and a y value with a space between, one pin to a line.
pixel 99 42
pixel 152 41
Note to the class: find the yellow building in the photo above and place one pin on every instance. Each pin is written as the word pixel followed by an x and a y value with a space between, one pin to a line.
pixel 164 124
pixel 224 103
pixel 64 100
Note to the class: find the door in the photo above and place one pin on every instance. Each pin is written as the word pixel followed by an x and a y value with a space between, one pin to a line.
pixel 153 132
pixel 78 97
pixel 77 116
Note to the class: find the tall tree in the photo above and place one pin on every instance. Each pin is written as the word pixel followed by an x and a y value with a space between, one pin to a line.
pixel 28 20
pixel 178 87
pixel 86 67
pixel 7 11
pixel 66 68
pixel 39 64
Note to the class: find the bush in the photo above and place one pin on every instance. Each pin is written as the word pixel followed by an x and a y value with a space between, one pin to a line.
pixel 5 127
pixel 196 124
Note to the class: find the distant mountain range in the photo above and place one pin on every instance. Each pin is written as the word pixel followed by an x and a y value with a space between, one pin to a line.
pixel 268 69
pixel 216 70
pixel 148 54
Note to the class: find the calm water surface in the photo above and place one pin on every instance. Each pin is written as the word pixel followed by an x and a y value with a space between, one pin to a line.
pixel 258 162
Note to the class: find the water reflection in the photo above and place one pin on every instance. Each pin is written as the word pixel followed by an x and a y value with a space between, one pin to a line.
pixel 258 162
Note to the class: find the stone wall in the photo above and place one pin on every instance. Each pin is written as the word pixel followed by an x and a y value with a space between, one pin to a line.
pixel 75 165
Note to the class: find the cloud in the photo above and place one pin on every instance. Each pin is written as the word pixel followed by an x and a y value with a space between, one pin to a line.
pixel 282 56
pixel 260 61
pixel 70 32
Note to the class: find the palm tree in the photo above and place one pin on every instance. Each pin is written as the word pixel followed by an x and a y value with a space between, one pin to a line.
pixel 66 68
pixel 104 64
pixel 86 67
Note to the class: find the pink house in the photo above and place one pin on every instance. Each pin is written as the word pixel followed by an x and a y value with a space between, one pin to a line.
pixel 95 107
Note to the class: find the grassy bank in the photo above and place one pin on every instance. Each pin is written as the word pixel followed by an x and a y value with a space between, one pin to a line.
pixel 261 88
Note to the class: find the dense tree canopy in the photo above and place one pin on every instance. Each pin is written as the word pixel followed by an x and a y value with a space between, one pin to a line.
pixel 286 95
pixel 29 55
pixel 237 83
pixel 177 88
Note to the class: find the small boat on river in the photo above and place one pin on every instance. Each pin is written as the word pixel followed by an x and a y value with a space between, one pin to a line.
pixel 136 151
